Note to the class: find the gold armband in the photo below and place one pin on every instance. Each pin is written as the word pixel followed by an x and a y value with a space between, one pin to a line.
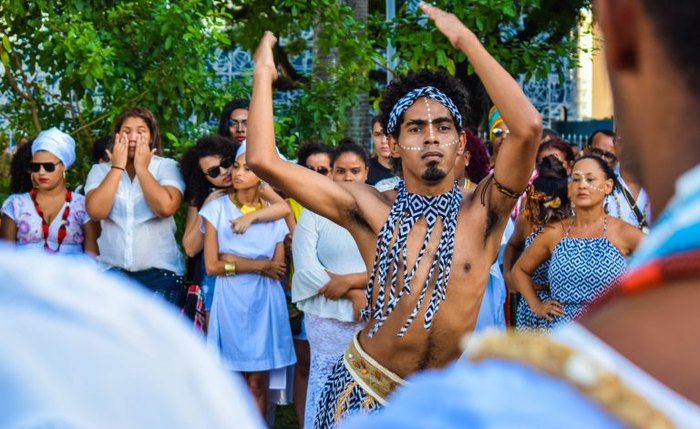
pixel 229 269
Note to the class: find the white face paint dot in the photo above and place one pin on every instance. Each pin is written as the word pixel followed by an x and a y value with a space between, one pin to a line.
pixel 577 174
pixel 430 119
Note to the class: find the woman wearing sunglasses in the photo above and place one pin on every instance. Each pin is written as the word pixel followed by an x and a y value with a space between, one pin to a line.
pixel 135 197
pixel 44 215
pixel 206 168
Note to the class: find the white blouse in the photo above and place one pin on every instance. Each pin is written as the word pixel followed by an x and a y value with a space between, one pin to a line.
pixel 321 245
pixel 133 237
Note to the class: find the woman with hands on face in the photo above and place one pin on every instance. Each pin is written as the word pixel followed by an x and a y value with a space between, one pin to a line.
pixel 586 252
pixel 135 197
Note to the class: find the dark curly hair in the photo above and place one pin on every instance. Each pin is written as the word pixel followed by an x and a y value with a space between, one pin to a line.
pixel 312 148
pixel 100 147
pixel 347 145
pixel 20 178
pixel 151 122
pixel 197 186
pixel 238 103
pixel 479 162
pixel 548 196
pixel 440 79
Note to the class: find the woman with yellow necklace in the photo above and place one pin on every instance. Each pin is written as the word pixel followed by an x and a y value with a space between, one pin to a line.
pixel 249 321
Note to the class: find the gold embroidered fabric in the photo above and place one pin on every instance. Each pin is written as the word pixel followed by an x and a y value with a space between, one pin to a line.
pixel 376 380
pixel 579 370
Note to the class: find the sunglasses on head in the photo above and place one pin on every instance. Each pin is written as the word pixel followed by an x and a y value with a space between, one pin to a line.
pixel 214 172
pixel 320 170
pixel 49 167
pixel 500 132
pixel 603 154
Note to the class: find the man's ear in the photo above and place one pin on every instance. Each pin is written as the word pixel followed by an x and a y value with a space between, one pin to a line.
pixel 619 21
pixel 462 143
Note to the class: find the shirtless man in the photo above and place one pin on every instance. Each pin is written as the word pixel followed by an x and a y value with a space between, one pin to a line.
pixel 422 114
pixel 633 361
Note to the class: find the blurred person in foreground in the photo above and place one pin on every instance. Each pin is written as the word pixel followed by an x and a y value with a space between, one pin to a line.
pixel 84 349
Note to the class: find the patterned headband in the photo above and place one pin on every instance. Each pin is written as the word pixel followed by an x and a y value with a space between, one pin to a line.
pixel 426 91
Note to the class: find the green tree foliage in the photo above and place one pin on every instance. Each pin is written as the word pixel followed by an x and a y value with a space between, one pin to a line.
pixel 530 37
pixel 77 63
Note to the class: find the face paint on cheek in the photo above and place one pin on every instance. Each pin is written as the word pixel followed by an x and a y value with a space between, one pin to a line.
pixel 586 182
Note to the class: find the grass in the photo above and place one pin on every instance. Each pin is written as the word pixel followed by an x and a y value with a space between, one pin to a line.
pixel 285 417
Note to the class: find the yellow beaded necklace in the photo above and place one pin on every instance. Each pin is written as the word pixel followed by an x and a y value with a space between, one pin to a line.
pixel 244 208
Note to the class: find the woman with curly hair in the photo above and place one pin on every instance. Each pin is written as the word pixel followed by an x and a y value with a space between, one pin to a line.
pixel 206 168
pixel 476 158
pixel 42 214
pixel 547 201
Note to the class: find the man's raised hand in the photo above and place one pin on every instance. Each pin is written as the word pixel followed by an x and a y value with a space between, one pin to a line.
pixel 447 23
pixel 263 57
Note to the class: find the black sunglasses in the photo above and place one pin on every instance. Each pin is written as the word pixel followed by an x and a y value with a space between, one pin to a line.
pixel 603 154
pixel 214 172
pixel 320 170
pixel 49 167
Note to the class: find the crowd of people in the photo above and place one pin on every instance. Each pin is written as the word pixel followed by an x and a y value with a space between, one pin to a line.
pixel 386 260
pixel 565 246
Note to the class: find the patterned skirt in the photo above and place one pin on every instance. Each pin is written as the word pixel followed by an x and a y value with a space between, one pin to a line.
pixel 357 383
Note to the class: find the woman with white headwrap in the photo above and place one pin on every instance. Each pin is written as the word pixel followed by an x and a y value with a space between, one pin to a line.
pixel 46 216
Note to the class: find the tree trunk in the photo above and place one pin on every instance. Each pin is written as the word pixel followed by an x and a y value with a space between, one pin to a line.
pixel 358 115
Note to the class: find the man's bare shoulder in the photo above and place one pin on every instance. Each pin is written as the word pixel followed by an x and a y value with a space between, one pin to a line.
pixel 371 206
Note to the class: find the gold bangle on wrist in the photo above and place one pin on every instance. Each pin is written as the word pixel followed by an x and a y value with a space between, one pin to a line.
pixel 229 269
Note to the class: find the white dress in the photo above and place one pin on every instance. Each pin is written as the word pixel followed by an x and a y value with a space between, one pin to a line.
pixel 249 323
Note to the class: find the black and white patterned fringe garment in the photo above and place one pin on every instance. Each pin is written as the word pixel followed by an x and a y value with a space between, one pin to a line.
pixel 408 208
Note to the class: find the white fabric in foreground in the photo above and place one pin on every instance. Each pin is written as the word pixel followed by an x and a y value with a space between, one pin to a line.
pixel 84 349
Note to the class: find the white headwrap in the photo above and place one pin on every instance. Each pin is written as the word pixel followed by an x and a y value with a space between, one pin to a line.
pixel 58 143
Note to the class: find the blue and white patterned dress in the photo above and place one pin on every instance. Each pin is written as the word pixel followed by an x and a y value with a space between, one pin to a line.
pixel 525 318
pixel 581 270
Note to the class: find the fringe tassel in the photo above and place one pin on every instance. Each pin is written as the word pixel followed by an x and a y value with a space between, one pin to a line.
pixel 342 399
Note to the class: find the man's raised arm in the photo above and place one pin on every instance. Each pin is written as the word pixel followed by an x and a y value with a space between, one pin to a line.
pixel 516 158
pixel 310 189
